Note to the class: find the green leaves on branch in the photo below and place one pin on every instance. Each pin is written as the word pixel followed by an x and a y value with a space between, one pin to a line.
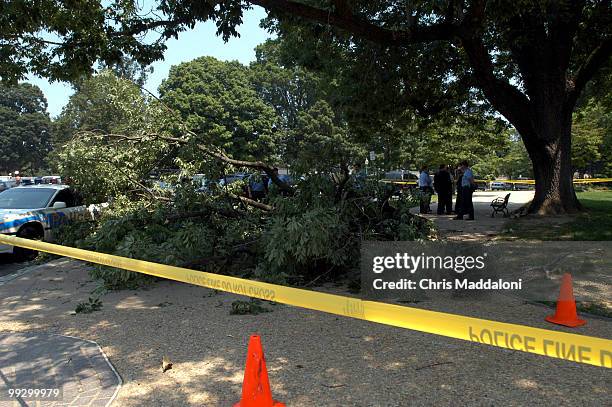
pixel 217 101
pixel 104 167
pixel 25 129
pixel 319 144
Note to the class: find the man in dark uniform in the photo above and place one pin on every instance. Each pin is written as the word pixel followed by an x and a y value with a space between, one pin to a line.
pixel 443 184
pixel 468 186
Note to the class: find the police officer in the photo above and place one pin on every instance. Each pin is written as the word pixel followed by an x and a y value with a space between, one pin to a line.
pixel 443 185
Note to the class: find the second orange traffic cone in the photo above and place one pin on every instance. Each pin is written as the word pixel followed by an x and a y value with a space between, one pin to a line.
pixel 566 306
pixel 256 387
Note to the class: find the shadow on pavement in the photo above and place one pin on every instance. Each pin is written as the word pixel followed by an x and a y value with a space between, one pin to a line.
pixel 10 263
pixel 72 371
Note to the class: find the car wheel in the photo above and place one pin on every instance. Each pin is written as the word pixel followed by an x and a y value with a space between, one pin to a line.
pixel 27 232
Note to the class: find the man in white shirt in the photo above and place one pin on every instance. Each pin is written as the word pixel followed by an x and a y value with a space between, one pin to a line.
pixel 425 186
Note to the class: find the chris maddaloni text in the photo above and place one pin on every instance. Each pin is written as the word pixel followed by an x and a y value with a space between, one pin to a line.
pixel 444 284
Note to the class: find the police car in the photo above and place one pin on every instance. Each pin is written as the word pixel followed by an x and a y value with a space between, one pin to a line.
pixel 35 211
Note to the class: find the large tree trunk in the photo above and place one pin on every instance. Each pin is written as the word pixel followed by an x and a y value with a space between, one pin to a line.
pixel 541 112
pixel 550 153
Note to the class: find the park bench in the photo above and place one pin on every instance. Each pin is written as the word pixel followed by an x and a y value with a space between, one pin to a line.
pixel 500 204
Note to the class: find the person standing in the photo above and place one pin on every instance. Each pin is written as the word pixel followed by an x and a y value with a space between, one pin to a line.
pixel 257 187
pixel 468 186
pixel 443 185
pixel 426 190
pixel 459 176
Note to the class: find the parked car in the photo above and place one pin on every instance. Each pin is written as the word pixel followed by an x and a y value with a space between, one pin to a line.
pixel 37 211
pixel 27 181
pixel 402 180
pixel 51 179
pixel 523 186
pixel 401 175
pixel 499 186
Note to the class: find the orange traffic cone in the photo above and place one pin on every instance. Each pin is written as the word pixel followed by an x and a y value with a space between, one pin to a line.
pixel 256 387
pixel 566 306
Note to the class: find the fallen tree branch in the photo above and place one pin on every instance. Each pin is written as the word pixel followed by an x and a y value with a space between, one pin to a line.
pixel 141 186
pixel 253 203
pixel 243 199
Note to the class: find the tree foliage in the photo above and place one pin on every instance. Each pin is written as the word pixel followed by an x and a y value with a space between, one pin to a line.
pixel 530 60
pixel 592 128
pixel 320 144
pixel 218 103
pixel 102 168
pixel 25 134
pixel 288 88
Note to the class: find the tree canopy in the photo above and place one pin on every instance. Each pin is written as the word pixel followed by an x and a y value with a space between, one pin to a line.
pixel 25 134
pixel 529 60
pixel 101 168
pixel 217 101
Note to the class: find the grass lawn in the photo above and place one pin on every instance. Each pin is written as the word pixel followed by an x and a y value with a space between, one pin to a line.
pixel 594 224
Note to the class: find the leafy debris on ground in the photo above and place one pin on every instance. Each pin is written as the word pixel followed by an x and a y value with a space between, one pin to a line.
pixel 248 307
pixel 91 305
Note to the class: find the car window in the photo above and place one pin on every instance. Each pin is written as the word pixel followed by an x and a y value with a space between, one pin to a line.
pixel 68 196
pixel 25 198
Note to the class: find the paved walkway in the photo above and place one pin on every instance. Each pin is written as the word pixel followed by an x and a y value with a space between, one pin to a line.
pixel 484 227
pixel 71 371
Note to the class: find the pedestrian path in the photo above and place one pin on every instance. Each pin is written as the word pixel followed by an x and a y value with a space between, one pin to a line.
pixel 41 369
pixel 484 227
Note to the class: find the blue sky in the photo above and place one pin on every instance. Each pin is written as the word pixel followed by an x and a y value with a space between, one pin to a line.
pixel 191 44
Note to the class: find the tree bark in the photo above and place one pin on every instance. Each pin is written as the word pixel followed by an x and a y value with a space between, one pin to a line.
pixel 544 121
pixel 550 153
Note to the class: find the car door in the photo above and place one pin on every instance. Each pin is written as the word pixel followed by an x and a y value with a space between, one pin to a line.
pixel 74 210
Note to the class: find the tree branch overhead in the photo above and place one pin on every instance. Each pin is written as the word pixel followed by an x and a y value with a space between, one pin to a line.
pixel 344 19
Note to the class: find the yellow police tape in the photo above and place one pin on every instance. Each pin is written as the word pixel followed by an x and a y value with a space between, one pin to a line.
pixel 578 348
pixel 514 181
